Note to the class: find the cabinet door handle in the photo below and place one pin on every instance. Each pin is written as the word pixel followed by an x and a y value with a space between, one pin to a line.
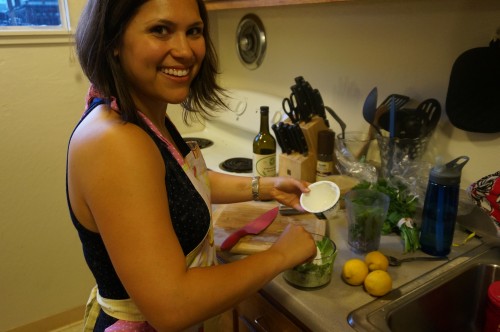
pixel 256 325
pixel 258 321
pixel 248 324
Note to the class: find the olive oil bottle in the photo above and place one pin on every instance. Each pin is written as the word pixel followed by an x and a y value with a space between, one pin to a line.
pixel 264 147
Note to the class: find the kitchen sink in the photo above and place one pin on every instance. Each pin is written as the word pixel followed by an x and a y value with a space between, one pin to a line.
pixel 452 297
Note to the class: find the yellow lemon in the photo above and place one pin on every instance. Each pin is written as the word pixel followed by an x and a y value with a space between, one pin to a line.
pixel 378 283
pixel 376 261
pixel 354 271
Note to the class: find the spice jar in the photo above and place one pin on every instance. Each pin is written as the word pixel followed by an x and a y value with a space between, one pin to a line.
pixel 492 323
pixel 326 161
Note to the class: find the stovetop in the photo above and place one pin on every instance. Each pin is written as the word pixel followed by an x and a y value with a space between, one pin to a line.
pixel 232 132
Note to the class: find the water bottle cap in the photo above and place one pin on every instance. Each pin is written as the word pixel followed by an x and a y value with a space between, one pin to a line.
pixel 450 173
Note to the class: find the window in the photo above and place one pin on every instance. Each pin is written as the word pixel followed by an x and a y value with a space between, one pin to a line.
pixel 29 13
pixel 30 22
pixel 32 15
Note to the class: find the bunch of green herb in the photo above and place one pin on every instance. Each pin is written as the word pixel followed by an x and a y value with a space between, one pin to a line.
pixel 402 208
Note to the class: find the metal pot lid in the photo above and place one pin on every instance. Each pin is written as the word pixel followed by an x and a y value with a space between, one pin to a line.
pixel 251 41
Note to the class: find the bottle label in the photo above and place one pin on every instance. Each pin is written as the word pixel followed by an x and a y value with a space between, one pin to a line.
pixel 324 168
pixel 264 164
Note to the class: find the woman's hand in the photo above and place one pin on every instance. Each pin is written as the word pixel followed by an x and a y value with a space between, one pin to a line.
pixel 285 190
pixel 296 245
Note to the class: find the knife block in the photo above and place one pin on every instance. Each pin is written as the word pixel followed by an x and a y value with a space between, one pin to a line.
pixel 298 166
pixel 311 130
pixel 302 167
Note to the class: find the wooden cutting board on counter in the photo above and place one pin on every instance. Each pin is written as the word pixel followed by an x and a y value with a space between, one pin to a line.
pixel 229 218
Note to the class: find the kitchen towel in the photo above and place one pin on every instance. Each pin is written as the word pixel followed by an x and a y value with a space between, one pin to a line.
pixel 473 98
pixel 486 194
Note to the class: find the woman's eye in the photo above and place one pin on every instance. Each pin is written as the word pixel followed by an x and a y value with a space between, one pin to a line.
pixel 160 30
pixel 197 31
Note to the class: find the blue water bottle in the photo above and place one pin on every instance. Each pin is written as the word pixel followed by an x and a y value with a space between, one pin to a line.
pixel 440 207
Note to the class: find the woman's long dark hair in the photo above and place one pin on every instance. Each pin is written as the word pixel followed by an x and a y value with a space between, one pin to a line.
pixel 100 31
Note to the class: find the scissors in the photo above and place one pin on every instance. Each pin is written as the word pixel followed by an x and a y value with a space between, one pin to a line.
pixel 290 108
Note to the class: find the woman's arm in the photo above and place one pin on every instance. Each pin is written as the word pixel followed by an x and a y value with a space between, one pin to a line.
pixel 232 189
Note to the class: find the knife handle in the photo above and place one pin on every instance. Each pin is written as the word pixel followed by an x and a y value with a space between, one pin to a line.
pixel 285 139
pixel 232 239
pixel 278 136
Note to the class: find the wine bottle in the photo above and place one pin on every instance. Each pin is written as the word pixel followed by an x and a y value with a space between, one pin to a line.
pixel 264 147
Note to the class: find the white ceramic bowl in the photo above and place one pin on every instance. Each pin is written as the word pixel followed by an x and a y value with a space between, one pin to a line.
pixel 323 196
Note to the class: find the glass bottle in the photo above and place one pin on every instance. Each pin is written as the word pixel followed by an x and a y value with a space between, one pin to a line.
pixel 440 207
pixel 264 147
pixel 325 161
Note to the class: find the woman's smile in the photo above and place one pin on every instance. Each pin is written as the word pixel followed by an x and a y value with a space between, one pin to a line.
pixel 177 72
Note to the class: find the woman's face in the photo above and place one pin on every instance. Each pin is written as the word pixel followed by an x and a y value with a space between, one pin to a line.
pixel 161 51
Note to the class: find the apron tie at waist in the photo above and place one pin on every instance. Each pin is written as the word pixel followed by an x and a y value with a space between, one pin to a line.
pixel 119 309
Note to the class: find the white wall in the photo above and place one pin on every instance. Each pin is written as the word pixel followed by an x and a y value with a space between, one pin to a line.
pixel 345 49
pixel 42 270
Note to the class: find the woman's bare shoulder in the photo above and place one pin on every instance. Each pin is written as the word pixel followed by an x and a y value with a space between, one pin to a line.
pixel 105 125
pixel 103 141
pixel 109 162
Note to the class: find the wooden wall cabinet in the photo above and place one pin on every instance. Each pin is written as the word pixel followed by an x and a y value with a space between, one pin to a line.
pixel 233 4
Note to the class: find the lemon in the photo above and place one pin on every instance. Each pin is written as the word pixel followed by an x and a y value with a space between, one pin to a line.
pixel 354 271
pixel 376 261
pixel 378 283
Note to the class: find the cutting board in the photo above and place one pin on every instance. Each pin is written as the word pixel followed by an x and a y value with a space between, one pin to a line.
pixel 231 217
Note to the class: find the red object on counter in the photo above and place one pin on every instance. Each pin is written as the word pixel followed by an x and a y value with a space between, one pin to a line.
pixel 492 323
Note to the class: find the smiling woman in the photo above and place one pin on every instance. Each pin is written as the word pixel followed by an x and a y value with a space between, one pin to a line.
pixel 140 196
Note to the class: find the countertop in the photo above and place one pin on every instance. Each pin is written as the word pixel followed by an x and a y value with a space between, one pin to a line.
pixel 327 308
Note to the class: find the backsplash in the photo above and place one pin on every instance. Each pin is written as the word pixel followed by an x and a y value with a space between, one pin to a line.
pixel 345 49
